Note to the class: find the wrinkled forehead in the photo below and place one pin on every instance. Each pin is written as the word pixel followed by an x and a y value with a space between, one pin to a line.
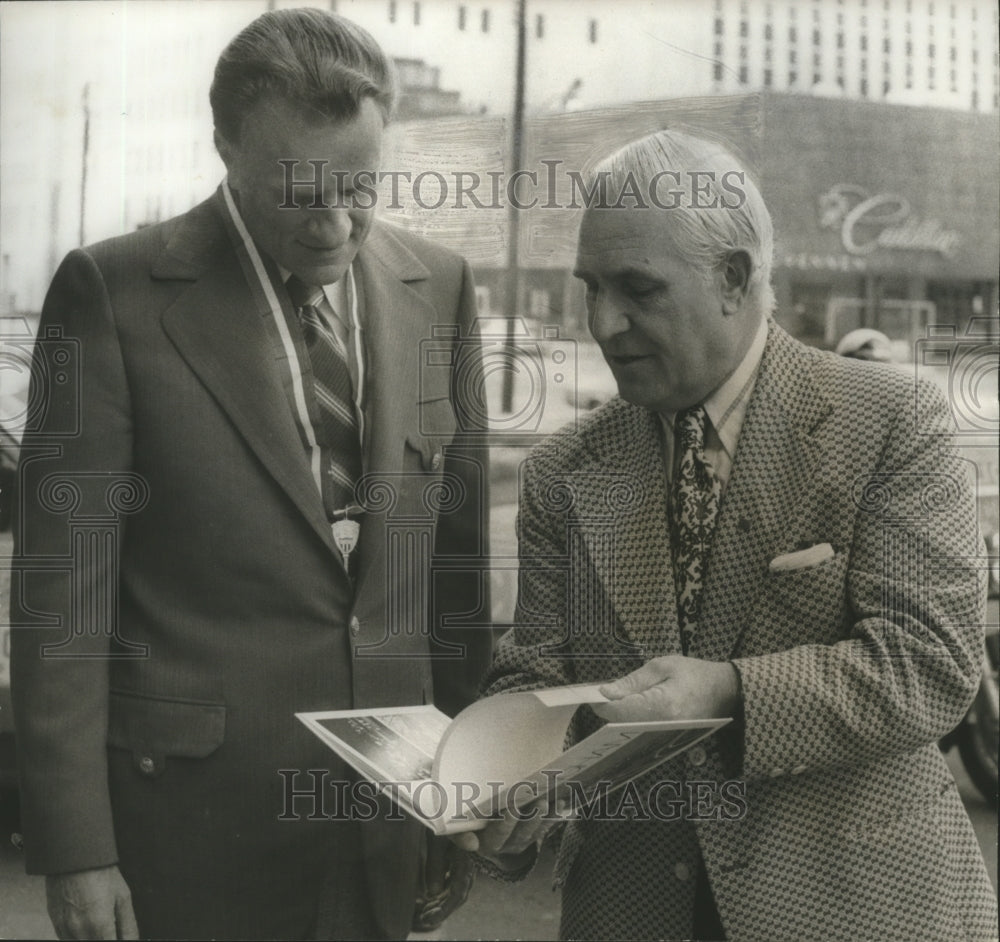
pixel 613 238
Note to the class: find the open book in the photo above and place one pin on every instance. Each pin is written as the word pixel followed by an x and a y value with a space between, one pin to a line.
pixel 504 752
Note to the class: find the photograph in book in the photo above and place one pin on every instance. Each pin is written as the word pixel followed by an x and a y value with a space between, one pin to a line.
pixel 499 754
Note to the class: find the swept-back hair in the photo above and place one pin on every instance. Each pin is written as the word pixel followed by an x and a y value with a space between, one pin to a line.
pixel 322 62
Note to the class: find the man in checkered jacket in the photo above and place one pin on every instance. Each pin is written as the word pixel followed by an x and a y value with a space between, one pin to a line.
pixel 761 530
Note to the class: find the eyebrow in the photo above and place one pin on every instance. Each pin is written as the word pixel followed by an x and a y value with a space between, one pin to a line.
pixel 620 273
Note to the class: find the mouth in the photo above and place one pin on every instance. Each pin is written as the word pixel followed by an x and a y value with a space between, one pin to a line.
pixel 624 359
pixel 321 250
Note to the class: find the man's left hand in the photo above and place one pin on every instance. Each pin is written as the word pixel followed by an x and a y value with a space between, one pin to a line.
pixel 672 688
pixel 446 879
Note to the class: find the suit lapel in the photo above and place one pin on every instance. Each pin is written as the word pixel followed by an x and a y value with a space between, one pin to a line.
pixel 627 474
pixel 396 320
pixel 774 468
pixel 219 331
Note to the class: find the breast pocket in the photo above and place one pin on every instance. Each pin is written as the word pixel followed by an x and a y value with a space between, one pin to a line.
pixel 800 606
pixel 435 430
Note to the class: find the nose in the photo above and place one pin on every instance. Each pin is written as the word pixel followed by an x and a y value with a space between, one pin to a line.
pixel 329 227
pixel 608 315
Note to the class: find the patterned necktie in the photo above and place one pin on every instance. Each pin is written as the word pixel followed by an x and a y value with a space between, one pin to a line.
pixel 696 493
pixel 334 399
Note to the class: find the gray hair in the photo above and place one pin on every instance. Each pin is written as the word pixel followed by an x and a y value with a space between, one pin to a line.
pixel 716 208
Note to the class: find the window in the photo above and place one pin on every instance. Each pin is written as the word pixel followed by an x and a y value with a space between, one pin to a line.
pixel 744 29
pixel 392 11
pixel 793 77
pixel 864 88
pixel 461 17
pixel 768 32
pixel 416 14
pixel 744 75
pixel 484 21
pixel 592 31
pixel 792 34
pixel 767 78
pixel 539 26
pixel 864 43
pixel 717 71
pixel 718 26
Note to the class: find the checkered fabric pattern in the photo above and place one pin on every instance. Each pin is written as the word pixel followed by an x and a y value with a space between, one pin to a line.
pixel 696 496
pixel 851 827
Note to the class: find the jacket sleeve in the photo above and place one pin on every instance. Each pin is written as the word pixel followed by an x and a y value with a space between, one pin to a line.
pixel 462 644
pixel 75 456
pixel 540 616
pixel 914 596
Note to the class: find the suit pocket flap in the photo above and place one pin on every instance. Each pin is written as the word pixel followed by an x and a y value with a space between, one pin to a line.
pixel 164 727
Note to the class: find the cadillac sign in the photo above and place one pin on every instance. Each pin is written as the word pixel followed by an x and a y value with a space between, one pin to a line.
pixel 883 221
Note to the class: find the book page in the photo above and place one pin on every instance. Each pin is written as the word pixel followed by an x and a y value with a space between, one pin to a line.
pixel 392 745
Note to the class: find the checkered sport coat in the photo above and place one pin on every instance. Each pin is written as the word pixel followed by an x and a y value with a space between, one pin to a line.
pixel 851 827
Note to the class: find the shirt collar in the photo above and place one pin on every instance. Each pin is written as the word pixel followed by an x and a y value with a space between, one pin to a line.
pixel 726 406
pixel 335 292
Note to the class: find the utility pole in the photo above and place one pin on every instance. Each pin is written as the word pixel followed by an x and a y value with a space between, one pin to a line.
pixel 86 149
pixel 513 289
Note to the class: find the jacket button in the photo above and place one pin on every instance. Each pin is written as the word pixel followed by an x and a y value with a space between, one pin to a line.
pixel 355 626
pixel 436 461
pixel 698 756
pixel 683 872
pixel 146 765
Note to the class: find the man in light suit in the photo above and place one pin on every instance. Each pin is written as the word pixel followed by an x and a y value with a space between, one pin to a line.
pixel 186 582
pixel 758 530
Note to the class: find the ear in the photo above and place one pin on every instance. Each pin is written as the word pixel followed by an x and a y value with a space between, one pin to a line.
pixel 735 277
pixel 225 149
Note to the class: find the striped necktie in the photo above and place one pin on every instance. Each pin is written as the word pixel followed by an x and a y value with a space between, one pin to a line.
pixel 696 493
pixel 337 430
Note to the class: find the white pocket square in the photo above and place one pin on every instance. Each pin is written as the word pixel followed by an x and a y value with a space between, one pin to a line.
pixel 801 559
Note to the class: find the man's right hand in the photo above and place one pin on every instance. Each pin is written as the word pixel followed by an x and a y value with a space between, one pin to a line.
pixel 91 904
